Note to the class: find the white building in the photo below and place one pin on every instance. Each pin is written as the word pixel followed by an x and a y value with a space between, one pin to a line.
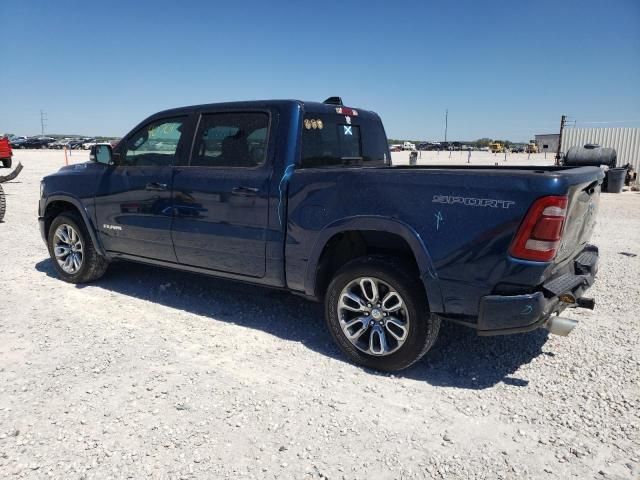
pixel 626 142
pixel 547 142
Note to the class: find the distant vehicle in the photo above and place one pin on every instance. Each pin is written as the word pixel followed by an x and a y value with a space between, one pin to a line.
pixel 76 143
pixel 5 152
pixel 532 148
pixel 16 142
pixel 409 146
pixel 517 149
pixel 87 143
pixel 395 148
pixel 428 146
pixel 496 147
pixel 37 142
pixel 60 143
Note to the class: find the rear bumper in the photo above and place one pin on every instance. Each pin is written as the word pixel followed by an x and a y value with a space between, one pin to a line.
pixel 506 314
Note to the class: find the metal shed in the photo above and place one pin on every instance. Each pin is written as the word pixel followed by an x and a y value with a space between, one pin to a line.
pixel 626 142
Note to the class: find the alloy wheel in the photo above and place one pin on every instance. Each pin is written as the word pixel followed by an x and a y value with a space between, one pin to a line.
pixel 68 249
pixel 373 316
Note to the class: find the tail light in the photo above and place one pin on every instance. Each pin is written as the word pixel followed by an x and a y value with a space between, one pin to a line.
pixel 539 235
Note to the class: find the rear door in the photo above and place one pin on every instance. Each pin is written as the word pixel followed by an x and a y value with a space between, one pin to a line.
pixel 133 202
pixel 221 197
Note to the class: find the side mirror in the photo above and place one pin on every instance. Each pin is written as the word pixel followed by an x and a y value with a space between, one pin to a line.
pixel 101 153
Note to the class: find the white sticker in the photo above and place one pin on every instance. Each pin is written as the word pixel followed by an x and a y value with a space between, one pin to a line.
pixel 348 119
pixel 347 130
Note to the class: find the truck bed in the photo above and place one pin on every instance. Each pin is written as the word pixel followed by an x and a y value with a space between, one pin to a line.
pixel 463 217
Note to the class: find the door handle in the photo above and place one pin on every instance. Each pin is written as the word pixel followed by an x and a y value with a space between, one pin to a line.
pixel 155 186
pixel 244 191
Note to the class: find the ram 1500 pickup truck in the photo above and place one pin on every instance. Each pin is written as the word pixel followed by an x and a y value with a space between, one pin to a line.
pixel 302 196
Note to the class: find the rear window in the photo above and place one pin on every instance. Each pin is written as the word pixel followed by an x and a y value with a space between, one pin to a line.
pixel 336 140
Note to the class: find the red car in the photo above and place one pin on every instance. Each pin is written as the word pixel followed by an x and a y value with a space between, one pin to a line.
pixel 5 152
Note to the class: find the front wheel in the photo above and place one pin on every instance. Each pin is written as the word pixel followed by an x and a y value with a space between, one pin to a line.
pixel 72 251
pixel 377 312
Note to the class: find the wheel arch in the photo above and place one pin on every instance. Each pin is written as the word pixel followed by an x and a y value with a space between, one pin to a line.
pixel 57 204
pixel 360 235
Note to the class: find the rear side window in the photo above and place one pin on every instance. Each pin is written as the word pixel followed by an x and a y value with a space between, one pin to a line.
pixel 334 140
pixel 236 139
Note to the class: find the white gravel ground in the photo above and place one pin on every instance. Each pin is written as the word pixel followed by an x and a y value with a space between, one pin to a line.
pixel 150 373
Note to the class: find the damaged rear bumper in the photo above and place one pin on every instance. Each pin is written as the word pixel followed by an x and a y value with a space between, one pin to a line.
pixel 506 314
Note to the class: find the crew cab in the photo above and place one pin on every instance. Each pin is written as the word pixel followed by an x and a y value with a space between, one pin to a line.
pixel 302 196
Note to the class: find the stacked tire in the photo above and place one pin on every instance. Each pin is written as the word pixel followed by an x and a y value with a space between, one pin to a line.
pixel 3 204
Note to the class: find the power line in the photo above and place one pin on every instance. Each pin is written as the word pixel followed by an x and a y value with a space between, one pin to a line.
pixel 613 121
pixel 43 121
pixel 563 123
pixel 446 123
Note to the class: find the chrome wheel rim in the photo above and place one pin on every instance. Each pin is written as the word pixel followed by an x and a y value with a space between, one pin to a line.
pixel 68 248
pixel 373 316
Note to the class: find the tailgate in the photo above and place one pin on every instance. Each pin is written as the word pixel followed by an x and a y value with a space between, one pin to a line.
pixel 584 198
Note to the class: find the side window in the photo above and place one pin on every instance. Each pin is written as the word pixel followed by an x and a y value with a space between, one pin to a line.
pixel 154 144
pixel 231 140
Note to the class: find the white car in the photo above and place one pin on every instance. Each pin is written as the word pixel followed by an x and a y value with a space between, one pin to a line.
pixel 409 146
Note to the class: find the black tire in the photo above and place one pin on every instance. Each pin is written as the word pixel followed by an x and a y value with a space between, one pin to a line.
pixel 93 264
pixel 3 204
pixel 423 327
pixel 6 162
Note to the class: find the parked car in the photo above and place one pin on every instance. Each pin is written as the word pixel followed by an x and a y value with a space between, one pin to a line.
pixel 36 142
pixel 409 146
pixel 59 144
pixel 76 143
pixel 396 148
pixel 517 149
pixel 301 196
pixel 87 143
pixel 16 142
pixel 6 154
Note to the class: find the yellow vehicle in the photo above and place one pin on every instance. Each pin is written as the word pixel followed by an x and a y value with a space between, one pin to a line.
pixel 532 148
pixel 496 147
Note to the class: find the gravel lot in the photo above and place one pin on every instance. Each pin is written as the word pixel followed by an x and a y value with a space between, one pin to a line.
pixel 150 373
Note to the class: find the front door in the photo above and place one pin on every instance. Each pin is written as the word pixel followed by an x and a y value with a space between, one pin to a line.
pixel 133 203
pixel 221 197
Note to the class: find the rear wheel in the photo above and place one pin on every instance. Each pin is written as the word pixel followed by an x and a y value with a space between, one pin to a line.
pixel 377 313
pixel 72 251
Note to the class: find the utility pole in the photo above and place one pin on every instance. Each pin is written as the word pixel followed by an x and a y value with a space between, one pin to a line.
pixel 446 123
pixel 43 120
pixel 563 121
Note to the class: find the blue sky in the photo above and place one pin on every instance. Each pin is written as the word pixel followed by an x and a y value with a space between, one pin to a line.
pixel 504 69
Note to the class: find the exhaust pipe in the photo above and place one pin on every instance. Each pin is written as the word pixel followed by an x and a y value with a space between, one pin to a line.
pixel 560 325
pixel 584 302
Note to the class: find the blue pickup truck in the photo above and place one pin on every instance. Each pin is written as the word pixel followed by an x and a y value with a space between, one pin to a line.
pixel 303 196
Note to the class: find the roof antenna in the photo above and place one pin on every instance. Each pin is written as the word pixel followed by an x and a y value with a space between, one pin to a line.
pixel 333 101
